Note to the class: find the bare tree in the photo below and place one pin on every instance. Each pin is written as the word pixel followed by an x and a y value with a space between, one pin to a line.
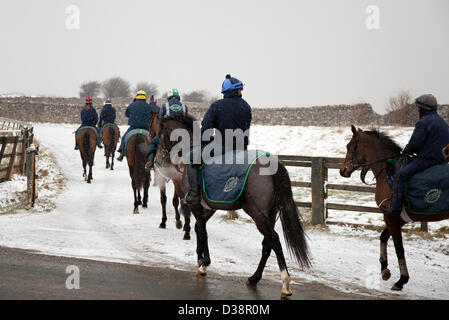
pixel 195 96
pixel 90 89
pixel 399 108
pixel 149 88
pixel 116 87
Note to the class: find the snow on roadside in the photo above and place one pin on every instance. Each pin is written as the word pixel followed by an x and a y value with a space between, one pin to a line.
pixel 96 221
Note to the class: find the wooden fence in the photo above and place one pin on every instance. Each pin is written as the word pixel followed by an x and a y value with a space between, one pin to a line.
pixel 319 187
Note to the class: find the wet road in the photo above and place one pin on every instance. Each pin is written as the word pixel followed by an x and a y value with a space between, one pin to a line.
pixel 29 275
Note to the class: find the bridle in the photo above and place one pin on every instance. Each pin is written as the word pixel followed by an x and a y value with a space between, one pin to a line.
pixel 365 166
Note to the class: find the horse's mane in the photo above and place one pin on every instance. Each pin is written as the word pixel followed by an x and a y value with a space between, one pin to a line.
pixel 186 120
pixel 385 140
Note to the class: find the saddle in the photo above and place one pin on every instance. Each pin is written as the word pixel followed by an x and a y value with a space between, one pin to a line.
pixel 224 181
pixel 132 133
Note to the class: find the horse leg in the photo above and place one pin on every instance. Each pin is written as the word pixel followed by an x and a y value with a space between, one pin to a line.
pixel 398 286
pixel 266 251
pixel 186 212
pixel 385 235
pixel 136 203
pixel 84 168
pixel 89 177
pixel 112 160
pixel 202 249
pixel 163 204
pixel 271 239
pixel 146 185
pixel 175 203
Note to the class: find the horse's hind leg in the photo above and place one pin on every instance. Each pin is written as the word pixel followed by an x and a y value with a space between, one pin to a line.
pixel 146 185
pixel 112 160
pixel 164 206
pixel 398 286
pixel 175 202
pixel 385 235
pixel 136 202
pixel 266 228
pixel 186 212
pixel 266 251
pixel 202 248
pixel 107 162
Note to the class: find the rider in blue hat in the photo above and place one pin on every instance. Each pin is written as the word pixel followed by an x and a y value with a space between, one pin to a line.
pixel 231 112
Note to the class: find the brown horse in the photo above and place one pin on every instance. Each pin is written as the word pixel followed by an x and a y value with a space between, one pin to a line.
pixel 162 176
pixel 262 199
pixel 372 149
pixel 86 139
pixel 110 135
pixel 136 150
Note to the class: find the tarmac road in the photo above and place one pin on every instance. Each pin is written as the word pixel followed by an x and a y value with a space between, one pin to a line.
pixel 31 275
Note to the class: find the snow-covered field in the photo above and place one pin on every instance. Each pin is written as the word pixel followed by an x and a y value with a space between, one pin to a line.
pixel 96 221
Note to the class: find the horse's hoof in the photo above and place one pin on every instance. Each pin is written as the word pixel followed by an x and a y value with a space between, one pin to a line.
pixel 395 288
pixel 136 211
pixel 386 274
pixel 107 166
pixel 145 206
pixel 252 281
pixel 202 271
pixel 286 294
pixel 178 224
pixel 88 181
pixel 162 226
pixel 186 237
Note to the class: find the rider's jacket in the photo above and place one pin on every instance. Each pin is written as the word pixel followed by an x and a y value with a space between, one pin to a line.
pixel 231 112
pixel 107 115
pixel 89 118
pixel 430 136
pixel 139 114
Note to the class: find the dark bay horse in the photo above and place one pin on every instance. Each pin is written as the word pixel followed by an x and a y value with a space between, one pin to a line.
pixel 162 176
pixel 87 142
pixel 136 150
pixel 264 198
pixel 372 149
pixel 110 135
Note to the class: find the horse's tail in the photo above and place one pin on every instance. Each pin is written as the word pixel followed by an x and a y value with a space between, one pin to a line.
pixel 288 211
pixel 140 149
pixel 110 146
pixel 86 146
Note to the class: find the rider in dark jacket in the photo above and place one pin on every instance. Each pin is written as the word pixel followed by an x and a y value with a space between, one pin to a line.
pixel 89 118
pixel 139 116
pixel 231 112
pixel 430 136
pixel 108 114
pixel 173 106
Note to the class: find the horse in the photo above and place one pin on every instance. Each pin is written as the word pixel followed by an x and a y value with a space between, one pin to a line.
pixel 164 175
pixel 87 143
pixel 110 136
pixel 264 197
pixel 371 150
pixel 136 150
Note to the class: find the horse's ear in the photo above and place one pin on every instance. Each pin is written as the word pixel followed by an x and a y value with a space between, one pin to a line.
pixel 354 130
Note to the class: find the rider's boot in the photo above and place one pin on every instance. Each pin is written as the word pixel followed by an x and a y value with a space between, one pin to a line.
pixel 120 157
pixel 193 197
pixel 150 162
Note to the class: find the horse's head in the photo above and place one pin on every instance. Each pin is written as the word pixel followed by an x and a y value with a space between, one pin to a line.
pixel 367 148
pixel 353 155
pixel 176 130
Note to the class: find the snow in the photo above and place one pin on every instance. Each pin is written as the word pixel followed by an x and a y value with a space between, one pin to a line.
pixel 96 221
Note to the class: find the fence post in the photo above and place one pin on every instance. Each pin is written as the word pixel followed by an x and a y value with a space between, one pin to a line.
pixel 12 158
pixel 318 193
pixel 31 169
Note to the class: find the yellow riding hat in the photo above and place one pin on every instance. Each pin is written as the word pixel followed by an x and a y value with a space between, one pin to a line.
pixel 141 95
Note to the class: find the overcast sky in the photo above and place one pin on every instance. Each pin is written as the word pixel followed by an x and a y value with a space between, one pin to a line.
pixel 287 52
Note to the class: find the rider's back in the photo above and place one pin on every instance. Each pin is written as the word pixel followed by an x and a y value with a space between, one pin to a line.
pixel 139 114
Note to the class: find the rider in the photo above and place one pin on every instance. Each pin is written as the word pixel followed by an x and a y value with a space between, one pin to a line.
pixel 153 105
pixel 89 118
pixel 430 136
pixel 231 112
pixel 107 114
pixel 139 116
pixel 174 106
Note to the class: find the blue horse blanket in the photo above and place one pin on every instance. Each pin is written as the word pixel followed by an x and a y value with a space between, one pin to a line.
pixel 224 176
pixel 427 192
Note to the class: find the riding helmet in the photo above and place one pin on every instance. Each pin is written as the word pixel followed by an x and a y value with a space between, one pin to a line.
pixel 172 93
pixel 427 102
pixel 141 95
pixel 230 84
